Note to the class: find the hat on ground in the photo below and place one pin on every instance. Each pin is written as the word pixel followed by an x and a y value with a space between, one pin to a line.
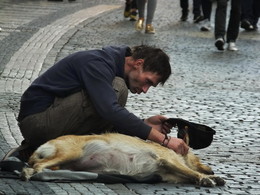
pixel 197 136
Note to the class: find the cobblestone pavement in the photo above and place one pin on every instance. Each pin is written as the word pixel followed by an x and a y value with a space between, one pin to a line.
pixel 220 89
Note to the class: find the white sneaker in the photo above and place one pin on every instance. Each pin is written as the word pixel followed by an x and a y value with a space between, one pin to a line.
pixel 232 46
pixel 0 29
pixel 205 25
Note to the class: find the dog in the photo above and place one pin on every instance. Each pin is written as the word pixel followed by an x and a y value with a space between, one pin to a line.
pixel 114 153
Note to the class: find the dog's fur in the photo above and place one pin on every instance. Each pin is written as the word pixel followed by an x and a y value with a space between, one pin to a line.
pixel 120 154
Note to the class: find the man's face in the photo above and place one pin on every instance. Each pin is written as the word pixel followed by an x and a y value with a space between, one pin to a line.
pixel 139 81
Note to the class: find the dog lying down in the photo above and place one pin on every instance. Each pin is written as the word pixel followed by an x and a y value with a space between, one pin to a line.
pixel 114 153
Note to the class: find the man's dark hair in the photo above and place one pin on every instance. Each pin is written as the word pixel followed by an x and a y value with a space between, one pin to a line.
pixel 155 60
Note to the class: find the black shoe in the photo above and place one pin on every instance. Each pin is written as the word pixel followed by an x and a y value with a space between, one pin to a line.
pixel 219 43
pixel 245 24
pixel 198 18
pixel 184 15
pixel 23 152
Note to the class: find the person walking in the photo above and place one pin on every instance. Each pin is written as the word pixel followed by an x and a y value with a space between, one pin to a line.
pixel 151 7
pixel 220 32
pixel 233 24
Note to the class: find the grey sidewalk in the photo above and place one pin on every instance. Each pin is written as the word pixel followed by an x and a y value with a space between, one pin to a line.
pixel 220 89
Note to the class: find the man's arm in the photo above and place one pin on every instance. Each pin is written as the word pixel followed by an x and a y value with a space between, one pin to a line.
pixel 176 144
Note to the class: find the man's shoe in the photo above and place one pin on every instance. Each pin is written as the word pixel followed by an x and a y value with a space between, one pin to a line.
pixel 198 19
pixel 205 25
pixel 149 29
pixel 184 15
pixel 219 43
pixel 23 152
pixel 139 25
pixel 232 46
pixel 245 24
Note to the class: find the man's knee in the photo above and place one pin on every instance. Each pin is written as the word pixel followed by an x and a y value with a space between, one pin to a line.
pixel 121 90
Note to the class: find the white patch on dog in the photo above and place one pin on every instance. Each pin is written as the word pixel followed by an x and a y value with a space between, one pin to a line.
pixel 46 150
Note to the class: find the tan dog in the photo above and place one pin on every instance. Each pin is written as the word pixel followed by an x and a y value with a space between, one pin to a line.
pixel 120 154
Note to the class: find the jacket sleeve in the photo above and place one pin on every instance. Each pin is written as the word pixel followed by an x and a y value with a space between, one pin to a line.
pixel 97 78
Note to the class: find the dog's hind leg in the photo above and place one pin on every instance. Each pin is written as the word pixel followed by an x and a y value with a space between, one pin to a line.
pixel 177 172
pixel 195 164
pixel 47 156
pixel 38 166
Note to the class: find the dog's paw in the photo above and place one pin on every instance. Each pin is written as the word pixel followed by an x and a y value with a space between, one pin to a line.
pixel 218 180
pixel 206 182
pixel 27 173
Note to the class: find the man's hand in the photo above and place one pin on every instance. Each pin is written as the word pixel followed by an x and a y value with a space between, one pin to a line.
pixel 178 145
pixel 157 122
pixel 160 129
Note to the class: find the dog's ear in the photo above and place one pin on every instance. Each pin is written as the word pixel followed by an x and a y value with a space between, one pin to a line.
pixel 197 136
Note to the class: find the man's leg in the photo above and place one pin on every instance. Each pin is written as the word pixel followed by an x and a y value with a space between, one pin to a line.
pixel 256 13
pixel 220 24
pixel 62 116
pixel 184 4
pixel 74 114
pixel 234 21
pixel 247 7
pixel 220 19
pixel 196 7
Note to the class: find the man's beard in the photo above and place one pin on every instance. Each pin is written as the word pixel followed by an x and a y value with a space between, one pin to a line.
pixel 127 82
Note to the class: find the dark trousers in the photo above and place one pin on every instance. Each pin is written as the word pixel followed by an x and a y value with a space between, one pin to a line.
pixel 220 18
pixel 234 21
pixel 196 6
pixel 250 10
pixel 206 8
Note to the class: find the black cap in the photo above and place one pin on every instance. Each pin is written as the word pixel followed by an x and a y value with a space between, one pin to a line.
pixel 199 136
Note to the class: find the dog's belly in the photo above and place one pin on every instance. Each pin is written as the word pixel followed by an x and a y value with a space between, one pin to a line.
pixel 103 157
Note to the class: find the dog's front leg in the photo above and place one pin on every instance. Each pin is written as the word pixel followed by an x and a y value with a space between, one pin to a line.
pixel 27 173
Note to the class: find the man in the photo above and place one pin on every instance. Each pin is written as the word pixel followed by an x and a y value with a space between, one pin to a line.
pixel 86 92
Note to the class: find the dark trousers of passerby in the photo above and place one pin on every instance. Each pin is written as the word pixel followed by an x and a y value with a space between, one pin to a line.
pixel 196 7
pixel 206 8
pixel 250 11
pixel 234 21
pixel 220 19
